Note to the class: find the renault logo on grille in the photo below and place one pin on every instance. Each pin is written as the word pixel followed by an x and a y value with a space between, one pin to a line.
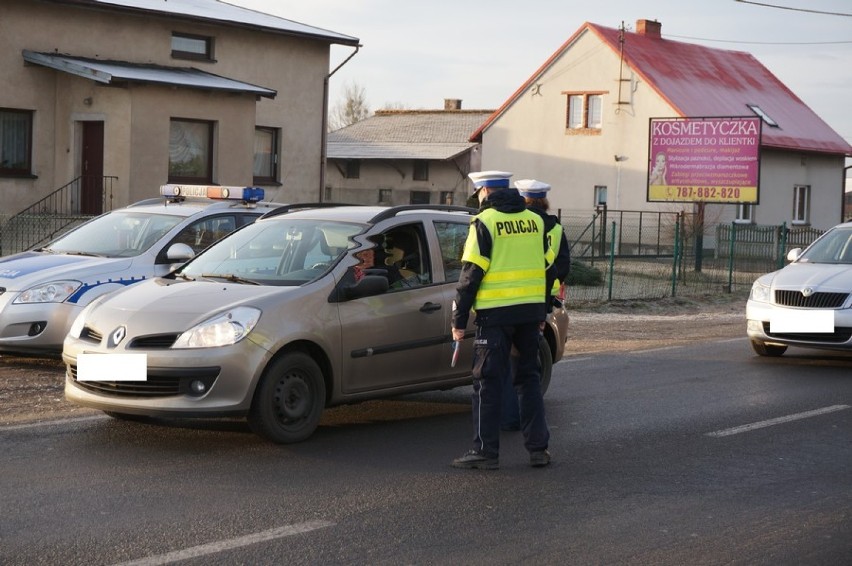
pixel 807 291
pixel 117 336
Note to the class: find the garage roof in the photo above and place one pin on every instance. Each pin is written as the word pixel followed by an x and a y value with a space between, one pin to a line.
pixel 407 134
pixel 117 72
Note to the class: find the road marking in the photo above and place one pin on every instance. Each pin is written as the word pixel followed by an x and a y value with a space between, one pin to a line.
pixel 779 420
pixel 4 428
pixel 228 544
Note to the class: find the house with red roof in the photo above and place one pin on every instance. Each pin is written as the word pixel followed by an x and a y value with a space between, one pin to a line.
pixel 581 122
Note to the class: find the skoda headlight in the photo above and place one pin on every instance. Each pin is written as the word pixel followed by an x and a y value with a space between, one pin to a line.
pixel 222 330
pixel 53 292
pixel 760 292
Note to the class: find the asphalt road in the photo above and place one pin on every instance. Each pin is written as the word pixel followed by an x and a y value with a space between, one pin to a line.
pixel 700 454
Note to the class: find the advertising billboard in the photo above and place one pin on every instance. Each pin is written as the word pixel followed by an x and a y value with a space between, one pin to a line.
pixel 715 160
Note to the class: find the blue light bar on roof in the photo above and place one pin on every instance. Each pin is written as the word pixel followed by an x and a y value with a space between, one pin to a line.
pixel 244 194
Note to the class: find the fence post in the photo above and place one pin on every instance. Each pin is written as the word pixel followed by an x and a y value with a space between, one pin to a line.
pixel 611 261
pixel 731 257
pixel 782 243
pixel 675 256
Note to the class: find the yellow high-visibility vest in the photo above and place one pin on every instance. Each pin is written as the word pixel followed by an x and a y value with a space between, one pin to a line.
pixel 514 275
pixel 554 243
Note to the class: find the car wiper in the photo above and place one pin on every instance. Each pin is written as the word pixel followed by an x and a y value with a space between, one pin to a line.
pixel 230 277
pixel 88 254
pixel 46 250
pixel 183 276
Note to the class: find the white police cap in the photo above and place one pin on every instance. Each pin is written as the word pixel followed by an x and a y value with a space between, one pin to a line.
pixel 530 188
pixel 490 179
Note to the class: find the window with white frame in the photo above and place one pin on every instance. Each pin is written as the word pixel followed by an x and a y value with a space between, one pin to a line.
pixel 600 195
pixel 585 112
pixel 745 213
pixel 801 204
pixel 16 134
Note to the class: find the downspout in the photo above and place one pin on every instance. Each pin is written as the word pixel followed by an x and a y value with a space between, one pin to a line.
pixel 324 152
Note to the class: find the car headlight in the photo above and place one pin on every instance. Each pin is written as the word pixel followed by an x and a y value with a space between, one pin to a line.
pixel 222 330
pixel 760 293
pixel 53 292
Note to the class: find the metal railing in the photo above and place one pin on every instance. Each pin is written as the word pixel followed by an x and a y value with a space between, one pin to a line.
pixel 54 214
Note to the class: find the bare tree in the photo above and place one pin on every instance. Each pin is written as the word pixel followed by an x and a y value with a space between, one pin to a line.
pixel 353 108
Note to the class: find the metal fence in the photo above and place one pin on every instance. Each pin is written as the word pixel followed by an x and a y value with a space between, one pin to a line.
pixel 645 255
pixel 54 214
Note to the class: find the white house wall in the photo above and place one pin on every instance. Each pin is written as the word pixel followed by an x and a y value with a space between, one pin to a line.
pixel 781 171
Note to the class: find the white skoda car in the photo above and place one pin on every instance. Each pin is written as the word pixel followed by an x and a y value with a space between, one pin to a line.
pixel 808 303
pixel 43 290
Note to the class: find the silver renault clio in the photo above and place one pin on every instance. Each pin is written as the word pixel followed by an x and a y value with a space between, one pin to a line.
pixel 304 309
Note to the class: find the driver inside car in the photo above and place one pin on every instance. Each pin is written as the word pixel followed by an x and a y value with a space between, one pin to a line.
pixel 400 250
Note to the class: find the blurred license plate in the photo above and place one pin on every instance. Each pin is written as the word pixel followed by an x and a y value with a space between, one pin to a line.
pixel 112 367
pixel 803 321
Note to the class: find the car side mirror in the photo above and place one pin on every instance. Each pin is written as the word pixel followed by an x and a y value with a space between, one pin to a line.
pixel 179 253
pixel 368 286
pixel 794 254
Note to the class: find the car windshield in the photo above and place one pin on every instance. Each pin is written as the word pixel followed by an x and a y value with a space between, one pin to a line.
pixel 122 233
pixel 280 251
pixel 835 246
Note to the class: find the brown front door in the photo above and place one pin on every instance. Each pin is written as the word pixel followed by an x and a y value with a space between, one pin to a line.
pixel 92 168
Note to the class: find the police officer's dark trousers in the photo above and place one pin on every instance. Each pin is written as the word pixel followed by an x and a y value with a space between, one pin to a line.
pixel 491 366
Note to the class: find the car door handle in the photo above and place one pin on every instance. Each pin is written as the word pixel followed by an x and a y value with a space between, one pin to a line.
pixel 430 307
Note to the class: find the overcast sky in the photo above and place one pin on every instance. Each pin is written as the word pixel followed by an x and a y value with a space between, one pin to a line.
pixel 416 54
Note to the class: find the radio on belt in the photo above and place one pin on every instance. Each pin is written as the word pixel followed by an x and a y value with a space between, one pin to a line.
pixel 244 194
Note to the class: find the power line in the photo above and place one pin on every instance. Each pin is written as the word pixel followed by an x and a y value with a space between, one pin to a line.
pixel 793 9
pixel 762 42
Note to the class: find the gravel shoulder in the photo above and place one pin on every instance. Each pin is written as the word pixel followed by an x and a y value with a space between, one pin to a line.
pixel 31 389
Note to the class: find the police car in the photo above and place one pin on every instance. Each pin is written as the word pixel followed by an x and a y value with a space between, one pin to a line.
pixel 43 290
pixel 302 310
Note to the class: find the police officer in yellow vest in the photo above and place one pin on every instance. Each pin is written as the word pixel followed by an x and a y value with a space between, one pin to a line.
pixel 535 194
pixel 503 280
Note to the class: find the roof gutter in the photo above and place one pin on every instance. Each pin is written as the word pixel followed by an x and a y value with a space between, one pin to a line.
pixel 324 152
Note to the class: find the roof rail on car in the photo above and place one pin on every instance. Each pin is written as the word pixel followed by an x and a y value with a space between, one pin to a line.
pixel 284 209
pixel 147 201
pixel 394 210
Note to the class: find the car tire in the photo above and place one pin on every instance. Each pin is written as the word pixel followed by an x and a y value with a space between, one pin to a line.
pixel 545 360
pixel 289 399
pixel 771 350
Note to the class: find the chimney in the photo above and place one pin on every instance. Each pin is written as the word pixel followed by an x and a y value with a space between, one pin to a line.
pixel 452 104
pixel 649 28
